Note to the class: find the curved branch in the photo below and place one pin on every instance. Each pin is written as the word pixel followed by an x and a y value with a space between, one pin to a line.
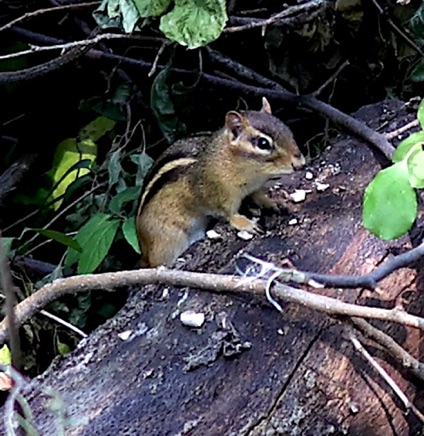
pixel 201 281
pixel 48 67
pixel 369 281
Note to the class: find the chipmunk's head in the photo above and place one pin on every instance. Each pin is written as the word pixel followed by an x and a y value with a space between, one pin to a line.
pixel 263 141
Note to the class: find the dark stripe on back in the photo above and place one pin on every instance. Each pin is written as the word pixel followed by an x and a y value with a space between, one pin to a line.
pixel 166 178
pixel 159 163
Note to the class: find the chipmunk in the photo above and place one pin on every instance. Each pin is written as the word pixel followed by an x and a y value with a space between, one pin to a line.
pixel 209 176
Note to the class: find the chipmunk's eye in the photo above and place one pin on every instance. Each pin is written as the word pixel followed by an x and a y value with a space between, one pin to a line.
pixel 262 143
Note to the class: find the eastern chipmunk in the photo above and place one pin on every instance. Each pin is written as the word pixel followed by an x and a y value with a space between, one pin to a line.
pixel 209 176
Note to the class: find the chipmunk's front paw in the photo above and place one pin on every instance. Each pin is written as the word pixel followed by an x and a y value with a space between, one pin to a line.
pixel 240 222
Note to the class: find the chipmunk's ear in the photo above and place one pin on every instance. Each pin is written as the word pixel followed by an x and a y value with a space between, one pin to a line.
pixel 236 123
pixel 266 107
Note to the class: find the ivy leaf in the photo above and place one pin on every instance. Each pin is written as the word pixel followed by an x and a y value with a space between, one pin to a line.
pixel 194 23
pixel 95 238
pixel 130 233
pixel 390 203
pixel 406 145
pixel 416 170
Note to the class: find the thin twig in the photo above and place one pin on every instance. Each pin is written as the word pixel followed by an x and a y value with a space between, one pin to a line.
pixel 64 323
pixel 397 132
pixel 59 321
pixel 38 12
pixel 293 10
pixel 390 345
pixel 383 373
pixel 330 79
pixel 67 45
pixel 55 64
pixel 155 62
pixel 62 212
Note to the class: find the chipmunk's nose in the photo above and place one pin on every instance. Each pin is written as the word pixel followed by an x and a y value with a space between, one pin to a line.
pixel 298 161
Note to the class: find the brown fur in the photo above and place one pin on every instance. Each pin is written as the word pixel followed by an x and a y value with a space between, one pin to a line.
pixel 216 175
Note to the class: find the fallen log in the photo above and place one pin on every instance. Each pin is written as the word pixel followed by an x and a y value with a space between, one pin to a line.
pixel 249 369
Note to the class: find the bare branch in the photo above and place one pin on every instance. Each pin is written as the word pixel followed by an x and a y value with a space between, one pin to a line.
pixel 47 67
pixel 67 45
pixel 38 12
pixel 269 89
pixel 306 8
pixel 210 282
pixel 367 281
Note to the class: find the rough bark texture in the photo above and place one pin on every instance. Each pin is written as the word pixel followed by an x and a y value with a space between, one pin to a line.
pixel 250 370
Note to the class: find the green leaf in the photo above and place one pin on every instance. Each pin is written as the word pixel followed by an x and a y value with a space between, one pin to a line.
pixel 151 8
pixel 117 202
pixel 62 348
pixel 95 238
pixel 69 153
pixel 390 203
pixel 143 162
pixel 7 244
pixel 97 246
pixel 417 74
pixel 194 23
pixel 163 108
pixel 416 169
pixel 407 144
pixel 130 233
pixel 420 114
pixel 126 14
pixel 96 129
pixel 5 355
pixel 114 167
pixel 59 237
